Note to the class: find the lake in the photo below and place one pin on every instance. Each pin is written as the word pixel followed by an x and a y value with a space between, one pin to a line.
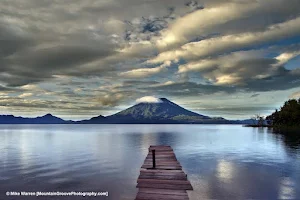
pixel 222 161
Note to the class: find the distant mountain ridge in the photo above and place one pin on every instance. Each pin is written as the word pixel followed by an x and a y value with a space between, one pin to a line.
pixel 46 119
pixel 163 112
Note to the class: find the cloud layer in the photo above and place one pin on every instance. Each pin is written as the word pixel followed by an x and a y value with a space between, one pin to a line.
pixel 99 56
pixel 148 99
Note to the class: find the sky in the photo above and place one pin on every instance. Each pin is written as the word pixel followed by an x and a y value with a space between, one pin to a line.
pixel 78 59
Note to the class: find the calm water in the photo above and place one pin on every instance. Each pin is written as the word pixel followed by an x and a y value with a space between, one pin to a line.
pixel 222 162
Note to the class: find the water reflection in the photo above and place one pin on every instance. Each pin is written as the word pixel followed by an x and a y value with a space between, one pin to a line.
pixel 222 162
pixel 286 188
pixel 290 138
pixel 225 171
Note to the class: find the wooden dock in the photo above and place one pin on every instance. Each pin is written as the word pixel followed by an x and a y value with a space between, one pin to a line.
pixel 161 176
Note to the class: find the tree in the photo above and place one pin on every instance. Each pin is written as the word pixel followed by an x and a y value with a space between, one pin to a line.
pixel 288 115
pixel 258 119
pixel 254 122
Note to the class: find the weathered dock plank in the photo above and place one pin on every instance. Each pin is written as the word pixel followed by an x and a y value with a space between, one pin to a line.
pixel 166 181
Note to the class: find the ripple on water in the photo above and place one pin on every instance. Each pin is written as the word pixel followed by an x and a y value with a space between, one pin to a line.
pixel 58 180
pixel 46 173
pixel 248 160
pixel 287 188
pixel 65 183
pixel 83 163
pixel 4 178
pixel 77 169
pixel 35 168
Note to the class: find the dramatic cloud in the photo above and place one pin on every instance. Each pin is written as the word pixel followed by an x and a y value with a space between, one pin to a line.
pixel 96 57
pixel 285 57
pixel 183 89
pixel 295 95
pixel 24 95
pixel 226 19
pixel 254 95
pixel 198 23
pixel 246 69
pixel 229 43
pixel 110 100
pixel 144 72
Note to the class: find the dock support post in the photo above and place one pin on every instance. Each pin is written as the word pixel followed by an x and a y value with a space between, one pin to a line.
pixel 153 159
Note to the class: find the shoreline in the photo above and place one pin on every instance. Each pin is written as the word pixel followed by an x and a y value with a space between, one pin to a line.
pixel 259 126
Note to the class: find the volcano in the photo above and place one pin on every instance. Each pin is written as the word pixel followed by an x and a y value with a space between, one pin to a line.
pixel 164 111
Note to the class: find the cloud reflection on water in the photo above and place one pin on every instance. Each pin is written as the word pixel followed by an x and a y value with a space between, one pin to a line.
pixel 225 171
pixel 286 188
pixel 222 162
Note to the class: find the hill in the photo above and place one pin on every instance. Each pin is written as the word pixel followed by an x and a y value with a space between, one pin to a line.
pixel 46 119
pixel 164 111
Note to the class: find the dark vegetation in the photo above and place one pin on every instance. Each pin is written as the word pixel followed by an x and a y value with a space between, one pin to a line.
pixel 288 116
pixel 259 121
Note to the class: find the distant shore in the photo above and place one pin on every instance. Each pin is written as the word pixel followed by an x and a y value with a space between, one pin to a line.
pixel 258 126
pixel 276 127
